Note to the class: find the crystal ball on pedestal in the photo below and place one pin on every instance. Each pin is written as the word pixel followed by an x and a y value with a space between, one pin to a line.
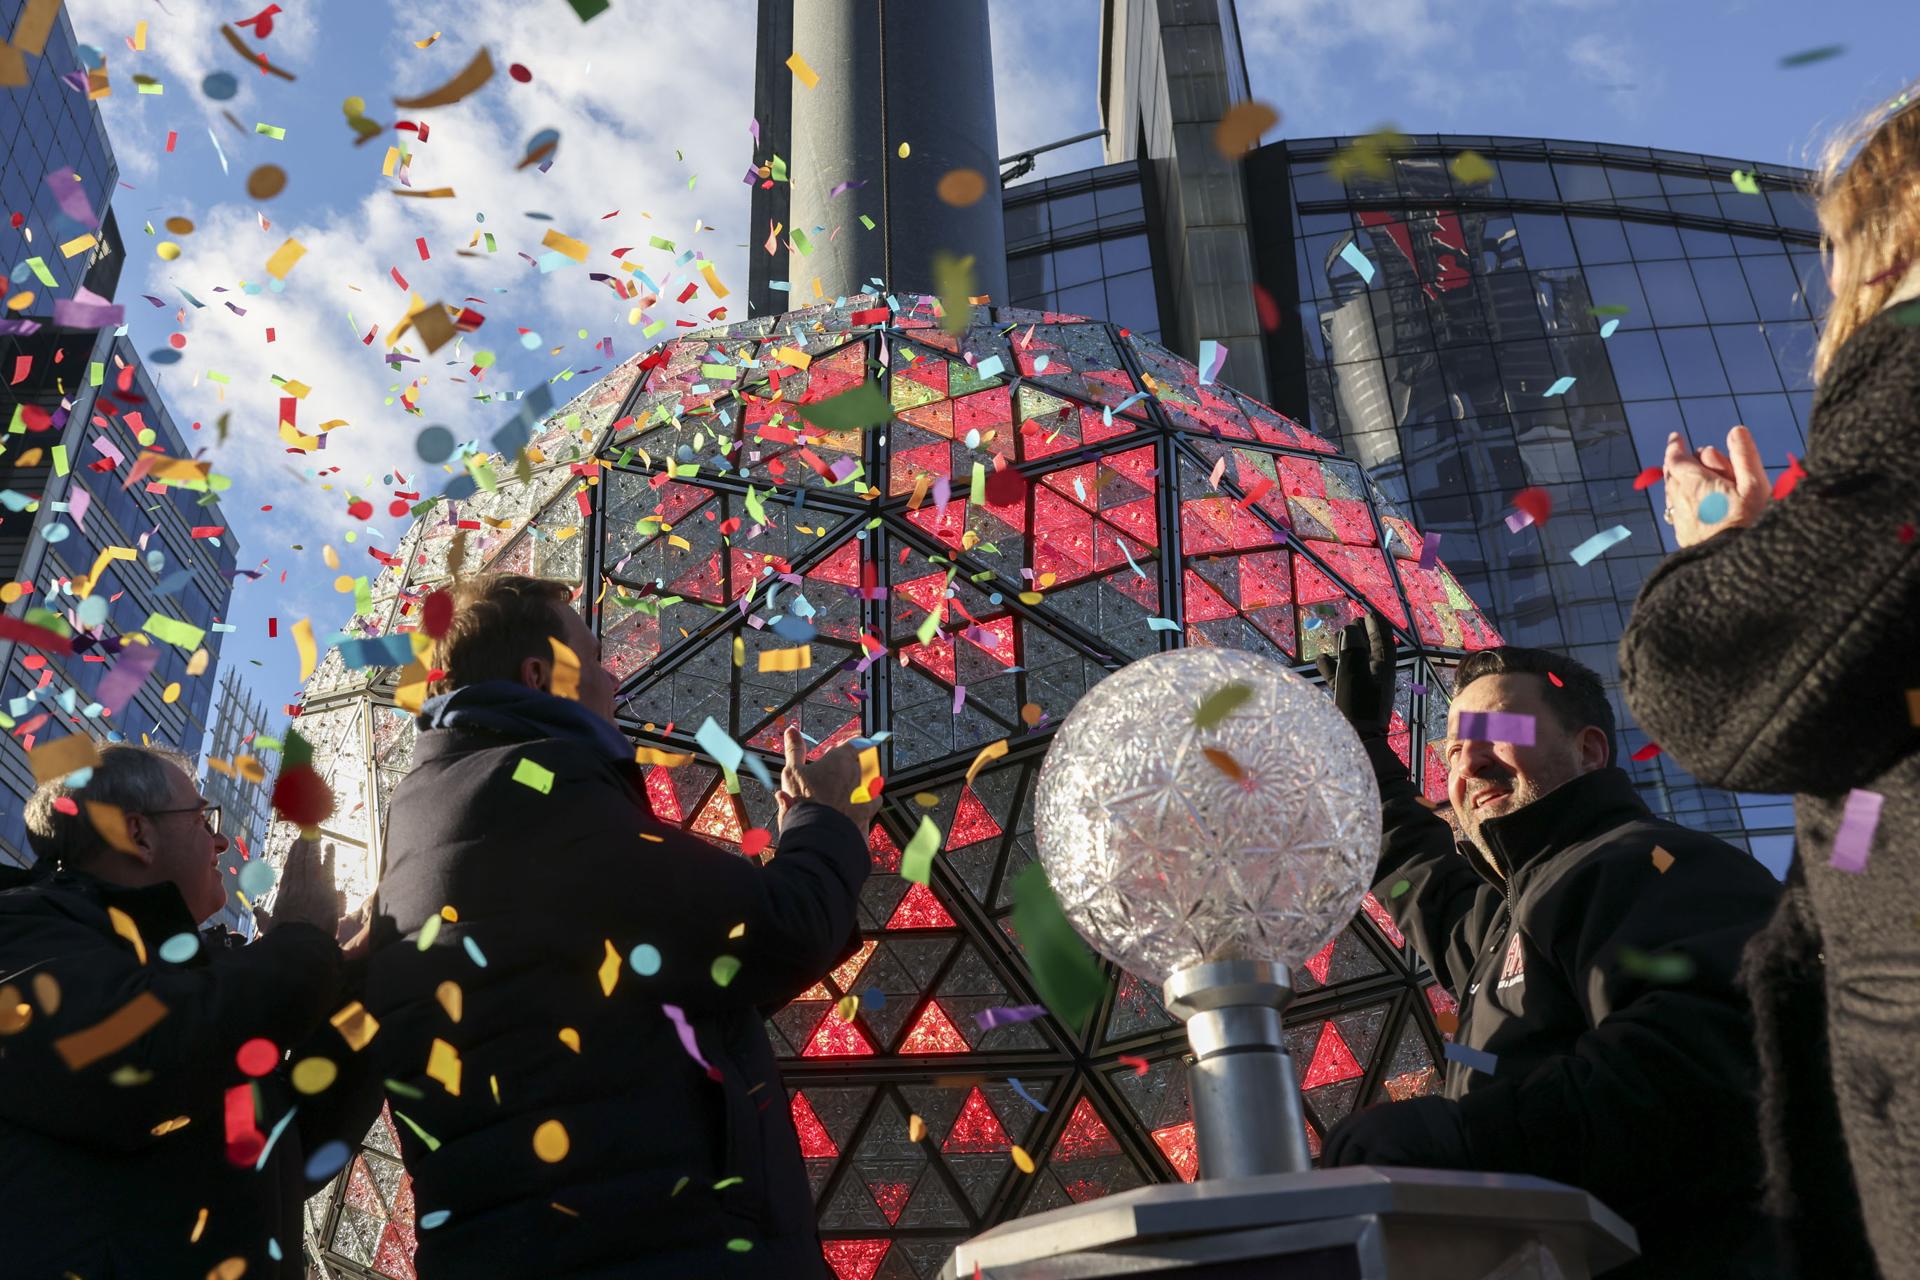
pixel 1250 836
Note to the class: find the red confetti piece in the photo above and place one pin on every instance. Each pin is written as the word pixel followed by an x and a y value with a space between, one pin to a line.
pixel 1139 1065
pixel 360 509
pixel 398 278
pixel 755 841
pixel 257 1057
pixel 245 1142
pixel 1536 502
pixel 1556 681
pixel 420 243
pixel 208 530
pixel 172 137
pixel 1268 309
pixel 525 76
pixel 1005 487
pixel 436 614
pixel 399 507
pixel 1647 752
pixel 1788 478
pixel 66 805
pixel 273 627
pixel 1647 479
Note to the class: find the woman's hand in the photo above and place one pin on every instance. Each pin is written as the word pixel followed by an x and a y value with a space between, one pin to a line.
pixel 1710 492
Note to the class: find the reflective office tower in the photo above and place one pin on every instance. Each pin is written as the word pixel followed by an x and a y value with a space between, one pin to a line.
pixel 235 777
pixel 79 405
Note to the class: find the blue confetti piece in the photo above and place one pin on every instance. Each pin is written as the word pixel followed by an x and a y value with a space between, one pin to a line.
pixel 1589 550
pixel 380 651
pixel 328 1160
pixel 180 948
pixel 1473 1059
pixel 473 951
pixel 1606 330
pixel 1131 562
pixel 791 627
pixel 645 959
pixel 1713 508
pixel 1163 624
pixel 435 1218
pixel 1021 1090
pixel 274 1137
pixel 873 998
pixel 1561 386
pixel 991 367
pixel 1352 256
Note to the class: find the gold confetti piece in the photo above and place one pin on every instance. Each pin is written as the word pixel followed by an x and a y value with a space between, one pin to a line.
pixel 174 1125
pixel 916 1128
pixel 229 1269
pixel 199 1225
pixel 46 990
pixel 1224 763
pixel 1030 714
pixel 847 1007
pixel 15 1013
pixel 738 931
pixel 566 671
pixel 550 1142
pixel 665 759
pixel 422 44
pixel 314 1075
pixel 471 77
pixel 792 356
pixel 451 999
pixel 570 1038
pixel 1470 169
pixel 355 1025
pixel 116 1031
pixel 1240 128
pixel 443 1064
pixel 609 969
pixel 124 926
pixel 111 823
pixel 52 761
pixel 1913 706
pixel 926 799
pixel 988 754
pixel 1661 859
pixel 565 245
pixel 802 72
pixel 1447 1022
pixel 284 257
pixel 961 187
pixel 799 659
pixel 1021 1160
pixel 493 1082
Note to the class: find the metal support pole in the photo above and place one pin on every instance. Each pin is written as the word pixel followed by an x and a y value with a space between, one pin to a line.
pixel 1247 1118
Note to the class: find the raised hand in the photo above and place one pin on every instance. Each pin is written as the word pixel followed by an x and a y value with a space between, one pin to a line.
pixel 831 780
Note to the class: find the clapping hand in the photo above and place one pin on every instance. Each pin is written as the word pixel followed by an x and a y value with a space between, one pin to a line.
pixel 1710 492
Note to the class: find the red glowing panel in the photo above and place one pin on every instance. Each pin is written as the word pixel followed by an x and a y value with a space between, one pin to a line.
pixel 395 1257
pixel 891 1197
pixel 1441 1001
pixel 1379 915
pixel 842 567
pixel 843 976
pixel 1332 1060
pixel 1317 966
pixel 1086 1136
pixel 660 794
pixel 719 819
pixel 886 854
pixel 836 1039
pixel 815 1142
pixel 1177 1142
pixel 1410 1084
pixel 855 1259
pixel 977 1129
pixel 934 1033
pixel 918 910
pixel 971 823
pixel 995 639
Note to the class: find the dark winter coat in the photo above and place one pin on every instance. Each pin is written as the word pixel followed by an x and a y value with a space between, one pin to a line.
pixel 669 1170
pixel 1784 657
pixel 85 1183
pixel 1604 989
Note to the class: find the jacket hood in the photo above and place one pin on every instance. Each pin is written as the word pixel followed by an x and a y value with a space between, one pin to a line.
pixel 1572 812
pixel 516 711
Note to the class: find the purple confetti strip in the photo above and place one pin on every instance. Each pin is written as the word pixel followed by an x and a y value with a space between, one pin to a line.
pixel 1493 726
pixel 942 493
pixel 1429 550
pixel 679 1018
pixel 1417 687
pixel 959 700
pixel 840 188
pixel 750 177
pixel 1007 1015
pixel 19 327
pixel 87 315
pixel 1854 839
pixel 71 196
pixel 1474 1059
pixel 1518 521
pixel 136 664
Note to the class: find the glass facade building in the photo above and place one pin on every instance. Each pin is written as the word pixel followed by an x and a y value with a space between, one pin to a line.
pixel 1547 327
pixel 1081 245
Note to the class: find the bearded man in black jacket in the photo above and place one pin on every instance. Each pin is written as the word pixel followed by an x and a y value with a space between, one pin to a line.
pixel 1593 948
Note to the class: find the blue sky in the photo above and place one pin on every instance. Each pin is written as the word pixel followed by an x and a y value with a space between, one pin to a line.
pixel 652 104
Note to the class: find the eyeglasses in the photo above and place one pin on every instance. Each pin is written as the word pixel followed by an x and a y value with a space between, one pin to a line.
pixel 209 813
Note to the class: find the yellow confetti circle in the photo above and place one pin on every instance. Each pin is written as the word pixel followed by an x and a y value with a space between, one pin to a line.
pixel 232 1269
pixel 266 182
pixel 314 1075
pixel 355 106
pixel 916 1128
pixel 343 584
pixel 171 693
pixel 1030 714
pixel 962 187
pixel 167 250
pixel 20 301
pixel 1022 1161
pixel 180 226
pixel 147 435
pixel 847 1007
pixel 10 592
pixel 905 150
pixel 550 1142
pixel 926 799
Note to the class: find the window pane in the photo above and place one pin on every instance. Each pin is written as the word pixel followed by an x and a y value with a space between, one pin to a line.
pixel 1774 288
pixel 1745 356
pixel 1651 240
pixel 1528 180
pixel 1706 244
pixel 1313 183
pixel 1129 253
pixel 1130 301
pixel 1077 265
pixel 1083 300
pixel 1111 201
pixel 1074 212
pixel 1793 342
pixel 1723 288
pixel 1599 239
pixel 1671 297
pixel 1770 418
pixel 1632 182
pixel 1638 366
pixel 1581 181
pixel 1619 286
pixel 1544 240
pixel 1693 362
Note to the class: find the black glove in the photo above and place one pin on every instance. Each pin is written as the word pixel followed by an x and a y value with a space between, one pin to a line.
pixel 1422 1133
pixel 1362 677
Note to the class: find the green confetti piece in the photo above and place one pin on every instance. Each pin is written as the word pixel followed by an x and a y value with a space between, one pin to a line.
pixel 777 169
pixel 1808 56
pixel 39 268
pixel 430 930
pixel 724 1183
pixel 1220 704
pixel 362 595
pixel 653 328
pixel 928 625
pixel 404 1089
pixel 273 131
pixel 800 242
pixel 173 631
pixel 1162 624
pixel 738 1244
pixel 1610 309
pixel 660 242
pixel 864 406
pixel 1399 887
pixel 1667 967
pixel 531 774
pixel 978 493
pixel 96 373
pixel 1745 183
pixel 297 752
pixel 725 969
pixel 756 507
pixel 1065 973
pixel 433 1143
pixel 720 372
pixel 916 860
pixel 866 222
pixel 152 87
pixel 59 459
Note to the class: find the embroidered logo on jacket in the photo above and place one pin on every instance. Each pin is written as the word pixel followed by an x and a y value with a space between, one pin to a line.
pixel 1514 971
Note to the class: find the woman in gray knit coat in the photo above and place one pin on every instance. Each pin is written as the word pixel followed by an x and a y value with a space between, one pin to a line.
pixel 1779 651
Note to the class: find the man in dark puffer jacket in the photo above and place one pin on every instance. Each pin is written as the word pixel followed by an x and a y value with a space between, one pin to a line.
pixel 1593 949
pixel 570 991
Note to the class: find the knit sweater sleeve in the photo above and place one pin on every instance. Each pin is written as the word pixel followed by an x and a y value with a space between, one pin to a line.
pixel 1778 657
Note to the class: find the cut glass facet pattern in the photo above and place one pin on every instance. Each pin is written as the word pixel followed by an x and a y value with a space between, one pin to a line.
pixel 704 522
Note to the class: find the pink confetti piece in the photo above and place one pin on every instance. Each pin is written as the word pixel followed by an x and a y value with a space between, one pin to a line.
pixel 129 673
pixel 959 698
pixel 1429 550
pixel 1518 521
pixel 1853 841
pixel 678 1017
pixel 1219 469
pixel 1006 1015
pixel 1494 726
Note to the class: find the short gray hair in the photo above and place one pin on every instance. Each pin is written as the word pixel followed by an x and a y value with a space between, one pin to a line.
pixel 132 779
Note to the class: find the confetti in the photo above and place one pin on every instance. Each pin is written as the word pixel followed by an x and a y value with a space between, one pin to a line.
pixel 1007 1015
pixel 1667 967
pixel 531 774
pixel 116 1031
pixel 1589 550
pixel 678 1017
pixel 550 1142
pixel 1853 839
pixel 1493 726
pixel 1473 1059
pixel 1713 508
pixel 916 860
pixel 1661 859
pixel 1806 57
pixel 1240 128
pixel 1535 505
pixel 1220 704
pixel 1470 169
pixel 961 187
pixel 1139 1065
pixel 802 72
pixel 991 752
pixel 1745 183
pixel 1028 1098
pixel 1065 974
pixel 724 970
pixel 475 74
pixel 800 659
pixel 52 761
pixel 1647 752
pixel 1022 1160
pixel 1353 257
pixel 1560 387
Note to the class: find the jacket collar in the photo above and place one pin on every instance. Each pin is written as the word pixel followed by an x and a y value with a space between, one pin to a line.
pixel 1570 813
pixel 157 910
pixel 516 711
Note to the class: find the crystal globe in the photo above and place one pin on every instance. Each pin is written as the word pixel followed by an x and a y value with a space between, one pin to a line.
pixel 1204 805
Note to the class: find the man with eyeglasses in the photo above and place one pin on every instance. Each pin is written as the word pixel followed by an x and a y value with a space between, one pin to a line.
pixel 160 1088
pixel 1601 1040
